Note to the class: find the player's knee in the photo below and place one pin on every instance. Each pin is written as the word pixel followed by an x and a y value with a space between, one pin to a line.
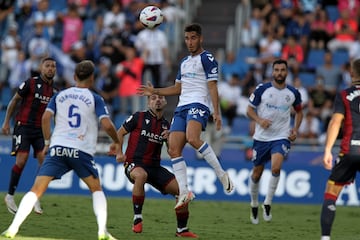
pixel 194 142
pixel 174 152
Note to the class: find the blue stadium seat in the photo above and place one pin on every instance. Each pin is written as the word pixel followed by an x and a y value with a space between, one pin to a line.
pixel 58 5
pixel 308 79
pixel 88 27
pixel 332 12
pixel 119 119
pixel 339 57
pixel 315 58
pixel 240 126
pixel 6 96
pixel 245 52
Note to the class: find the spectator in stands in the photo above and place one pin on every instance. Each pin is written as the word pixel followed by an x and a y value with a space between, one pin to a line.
pixel 270 49
pixel 251 31
pixel 322 30
pixel 273 24
pixel 308 6
pixel 10 46
pixel 80 52
pixel 115 16
pixel 352 5
pixel 293 53
pixel 232 66
pixel 300 28
pixel 229 93
pixel 310 127
pixel 112 46
pixel 47 18
pixel 345 76
pixel 38 48
pixel 81 6
pixel 152 44
pixel 303 91
pixel 320 102
pixel 21 71
pixel 72 27
pixel 172 13
pixel 345 32
pixel 330 73
pixel 129 73
pixel 106 83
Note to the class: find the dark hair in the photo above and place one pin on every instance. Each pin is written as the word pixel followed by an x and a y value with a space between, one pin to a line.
pixel 356 67
pixel 193 27
pixel 280 61
pixel 84 69
pixel 47 59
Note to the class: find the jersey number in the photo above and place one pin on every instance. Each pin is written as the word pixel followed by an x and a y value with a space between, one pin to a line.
pixel 74 116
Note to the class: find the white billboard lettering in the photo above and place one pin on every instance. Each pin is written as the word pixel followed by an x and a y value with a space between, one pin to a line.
pixel 113 178
pixel 204 181
pixel 298 183
pixel 240 180
pixel 348 196
pixel 65 182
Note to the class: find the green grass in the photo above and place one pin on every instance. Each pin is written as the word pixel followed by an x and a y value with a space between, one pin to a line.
pixel 71 217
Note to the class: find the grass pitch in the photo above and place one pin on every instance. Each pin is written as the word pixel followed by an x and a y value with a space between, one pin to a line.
pixel 72 217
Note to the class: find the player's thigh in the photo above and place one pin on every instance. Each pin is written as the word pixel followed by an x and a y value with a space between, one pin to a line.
pixel 41 184
pixel 163 180
pixel 138 174
pixel 193 130
pixel 92 183
pixel 177 141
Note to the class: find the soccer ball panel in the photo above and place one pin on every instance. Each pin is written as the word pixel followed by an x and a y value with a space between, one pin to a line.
pixel 151 17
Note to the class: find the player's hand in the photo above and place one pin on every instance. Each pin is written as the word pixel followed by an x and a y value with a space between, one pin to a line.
pixel 44 152
pixel 6 129
pixel 265 123
pixel 292 135
pixel 217 121
pixel 165 134
pixel 327 160
pixel 115 150
pixel 146 90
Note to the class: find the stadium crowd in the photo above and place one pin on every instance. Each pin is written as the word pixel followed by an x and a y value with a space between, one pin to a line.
pixel 70 31
pixel 318 38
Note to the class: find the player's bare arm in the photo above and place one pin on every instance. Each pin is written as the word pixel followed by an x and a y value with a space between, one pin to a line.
pixel 148 90
pixel 251 113
pixel 121 134
pixel 332 133
pixel 9 112
pixel 213 91
pixel 294 131
pixel 110 129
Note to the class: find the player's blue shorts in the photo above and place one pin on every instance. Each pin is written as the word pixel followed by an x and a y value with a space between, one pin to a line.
pixel 262 151
pixel 184 114
pixel 61 160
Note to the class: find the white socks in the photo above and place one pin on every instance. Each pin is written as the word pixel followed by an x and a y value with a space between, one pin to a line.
pixel 274 180
pixel 100 210
pixel 179 167
pixel 209 155
pixel 26 205
pixel 254 193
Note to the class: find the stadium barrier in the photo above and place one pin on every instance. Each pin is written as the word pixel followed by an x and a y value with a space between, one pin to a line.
pixel 302 178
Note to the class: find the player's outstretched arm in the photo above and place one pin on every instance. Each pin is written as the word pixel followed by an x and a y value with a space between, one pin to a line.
pixel 148 90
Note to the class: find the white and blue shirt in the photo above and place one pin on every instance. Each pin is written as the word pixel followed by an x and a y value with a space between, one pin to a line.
pixel 194 74
pixel 77 115
pixel 274 104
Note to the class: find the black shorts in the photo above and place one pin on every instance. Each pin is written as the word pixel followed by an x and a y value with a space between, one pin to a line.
pixel 344 171
pixel 26 136
pixel 158 177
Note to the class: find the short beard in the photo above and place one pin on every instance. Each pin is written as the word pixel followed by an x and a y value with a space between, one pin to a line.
pixel 280 81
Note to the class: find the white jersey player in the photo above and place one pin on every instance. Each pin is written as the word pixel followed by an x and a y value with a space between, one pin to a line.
pixel 77 112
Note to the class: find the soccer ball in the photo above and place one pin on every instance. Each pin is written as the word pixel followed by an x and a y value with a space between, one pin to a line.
pixel 151 17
